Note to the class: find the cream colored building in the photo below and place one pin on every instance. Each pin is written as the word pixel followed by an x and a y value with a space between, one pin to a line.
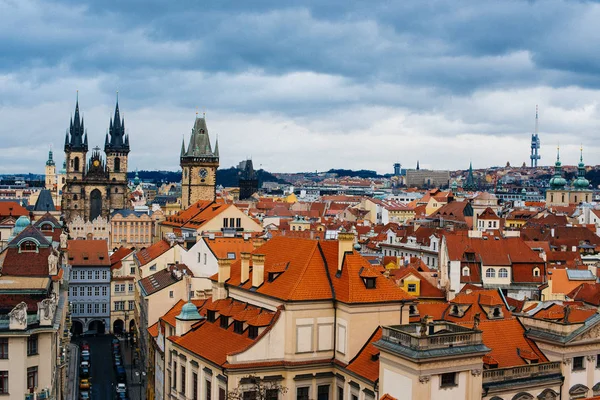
pixel 98 229
pixel 122 291
pixel 132 229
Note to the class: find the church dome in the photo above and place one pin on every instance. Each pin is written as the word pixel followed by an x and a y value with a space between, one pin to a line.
pixel 557 182
pixel 21 223
pixel 189 312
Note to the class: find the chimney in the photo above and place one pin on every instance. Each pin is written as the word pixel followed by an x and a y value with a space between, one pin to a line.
pixel 258 242
pixel 258 269
pixel 224 269
pixel 245 274
pixel 345 243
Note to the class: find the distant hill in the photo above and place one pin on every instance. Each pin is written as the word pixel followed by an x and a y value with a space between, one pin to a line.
pixel 226 177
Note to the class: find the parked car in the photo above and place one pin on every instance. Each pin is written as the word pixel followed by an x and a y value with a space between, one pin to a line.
pixel 86 358
pixel 121 375
pixel 84 364
pixel 118 363
pixel 85 384
pixel 85 373
pixel 121 388
pixel 115 340
pixel 84 395
pixel 84 346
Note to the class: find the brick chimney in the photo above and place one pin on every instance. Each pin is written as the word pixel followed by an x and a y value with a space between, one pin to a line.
pixel 258 269
pixel 345 243
pixel 224 269
pixel 258 242
pixel 245 270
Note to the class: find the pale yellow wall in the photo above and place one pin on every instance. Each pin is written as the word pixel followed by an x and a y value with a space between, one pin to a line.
pixel 168 257
pixel 215 224
pixel 161 302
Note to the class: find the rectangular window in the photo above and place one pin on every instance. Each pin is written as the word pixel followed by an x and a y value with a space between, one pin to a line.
pixel 96 308
pixel 208 389
pixel 89 308
pixel 104 308
pixel 448 379
pixel 104 275
pixel 231 222
pixel 224 321
pixel 3 348
pixel 130 287
pixel 340 395
pixel 171 294
pixel 32 345
pixel 81 291
pixel 597 360
pixel 195 387
pixel 222 395
pixel 412 287
pixel 272 394
pixel 210 316
pixel 323 392
pixel 89 291
pixel 225 220
pixel 75 274
pixel 249 395
pixel 82 308
pixel 252 332
pixel 174 376
pixel 117 288
pixel 238 326
pixel 182 379
pixel 97 291
pixel 199 258
pixel 32 377
pixel 238 222
pixel 97 275
pixel 204 258
pixel 132 271
pixel 104 291
pixel 578 363
pixel 90 275
pixel 302 393
pixel 3 382
pixel 131 304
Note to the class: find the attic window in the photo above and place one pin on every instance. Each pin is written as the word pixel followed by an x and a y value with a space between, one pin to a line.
pixel 412 310
pixel 238 327
pixel 231 256
pixel 536 271
pixel 210 316
pixel 454 310
pixel 273 276
pixel 369 283
pixel 253 332
pixel 470 257
pixel 28 246
pixel 224 321
pixel 466 271
pixel 497 313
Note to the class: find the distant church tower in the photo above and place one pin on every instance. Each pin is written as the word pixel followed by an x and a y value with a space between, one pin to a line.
pixel 248 180
pixel 50 173
pixel 199 165
pixel 535 143
pixel 96 187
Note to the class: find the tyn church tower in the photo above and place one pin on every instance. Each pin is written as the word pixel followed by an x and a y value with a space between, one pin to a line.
pixel 96 187
pixel 199 165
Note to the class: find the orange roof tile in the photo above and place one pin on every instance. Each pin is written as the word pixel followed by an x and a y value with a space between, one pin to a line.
pixel 148 254
pixel 88 253
pixel 221 247
pixel 366 362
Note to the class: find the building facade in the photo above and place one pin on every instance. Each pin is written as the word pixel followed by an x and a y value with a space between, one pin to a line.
pixel 89 289
pixel 96 186
pixel 199 165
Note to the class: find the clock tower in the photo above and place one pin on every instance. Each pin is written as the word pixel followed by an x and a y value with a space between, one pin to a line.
pixel 199 165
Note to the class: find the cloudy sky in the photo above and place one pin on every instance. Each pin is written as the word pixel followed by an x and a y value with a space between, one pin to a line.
pixel 304 86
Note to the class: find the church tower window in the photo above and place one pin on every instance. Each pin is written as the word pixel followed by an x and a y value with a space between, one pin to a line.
pixel 76 164
pixel 117 164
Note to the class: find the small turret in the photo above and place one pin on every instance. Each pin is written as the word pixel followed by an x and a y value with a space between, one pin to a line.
pixel 557 181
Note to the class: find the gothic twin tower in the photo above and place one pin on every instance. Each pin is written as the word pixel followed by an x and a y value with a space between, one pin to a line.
pixel 95 187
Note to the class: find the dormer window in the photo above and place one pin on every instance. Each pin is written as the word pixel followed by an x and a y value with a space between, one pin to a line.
pixel 466 271
pixel 497 313
pixel 46 228
pixel 273 276
pixel 455 310
pixel 238 327
pixel 224 321
pixel 210 316
pixel 28 246
pixel 412 310
pixel 253 332
pixel 536 271
pixel 369 283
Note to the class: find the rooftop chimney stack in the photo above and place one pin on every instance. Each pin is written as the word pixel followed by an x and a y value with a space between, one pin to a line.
pixel 258 269
pixel 245 269
pixel 345 243
pixel 224 269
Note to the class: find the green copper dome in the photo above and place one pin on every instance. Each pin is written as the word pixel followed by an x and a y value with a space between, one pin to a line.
pixel 557 181
pixel 21 223
pixel 581 183
pixel 136 180
pixel 189 312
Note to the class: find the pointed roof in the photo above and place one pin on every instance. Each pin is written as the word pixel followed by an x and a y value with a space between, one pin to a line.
pixel 557 181
pixel 199 145
pixel 44 202
pixel 116 131
pixel 470 183
pixel 50 161
pixel 76 139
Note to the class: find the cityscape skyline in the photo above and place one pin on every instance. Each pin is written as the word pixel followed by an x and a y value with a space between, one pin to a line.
pixel 402 82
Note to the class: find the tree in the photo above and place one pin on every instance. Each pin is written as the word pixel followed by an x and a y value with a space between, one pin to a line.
pixel 253 387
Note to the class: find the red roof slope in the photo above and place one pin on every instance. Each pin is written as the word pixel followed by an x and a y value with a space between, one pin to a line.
pixel 88 253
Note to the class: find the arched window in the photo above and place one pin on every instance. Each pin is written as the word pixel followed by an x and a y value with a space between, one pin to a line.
pixel 28 246
pixel 503 273
pixel 76 164
pixel 536 271
pixel 116 190
pixel 563 197
pixel 466 271
pixel 117 164
pixel 496 312
pixel 75 197
pixel 490 273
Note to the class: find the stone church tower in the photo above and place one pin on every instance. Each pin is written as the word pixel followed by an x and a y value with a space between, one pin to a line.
pixel 199 165
pixel 96 187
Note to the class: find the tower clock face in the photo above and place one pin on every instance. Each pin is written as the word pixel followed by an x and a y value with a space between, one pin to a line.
pixel 96 163
pixel 203 173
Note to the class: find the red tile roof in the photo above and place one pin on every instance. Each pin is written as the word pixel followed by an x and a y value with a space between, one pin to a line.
pixel 222 246
pixel 148 254
pixel 366 362
pixel 11 208
pixel 586 292
pixel 88 253
pixel 427 289
pixel 117 256
pixel 25 264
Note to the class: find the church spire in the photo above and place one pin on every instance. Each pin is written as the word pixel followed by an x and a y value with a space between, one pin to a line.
pixel 75 140
pixel 182 147
pixel 116 138
pixel 199 145
pixel 217 147
pixel 470 183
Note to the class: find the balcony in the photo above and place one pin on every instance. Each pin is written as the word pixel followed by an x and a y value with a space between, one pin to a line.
pixel 532 371
pixel 439 335
pixel 432 340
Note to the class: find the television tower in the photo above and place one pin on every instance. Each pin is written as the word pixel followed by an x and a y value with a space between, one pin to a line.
pixel 535 143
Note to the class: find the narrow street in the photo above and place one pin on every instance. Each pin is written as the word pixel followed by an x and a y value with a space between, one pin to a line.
pixel 103 375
